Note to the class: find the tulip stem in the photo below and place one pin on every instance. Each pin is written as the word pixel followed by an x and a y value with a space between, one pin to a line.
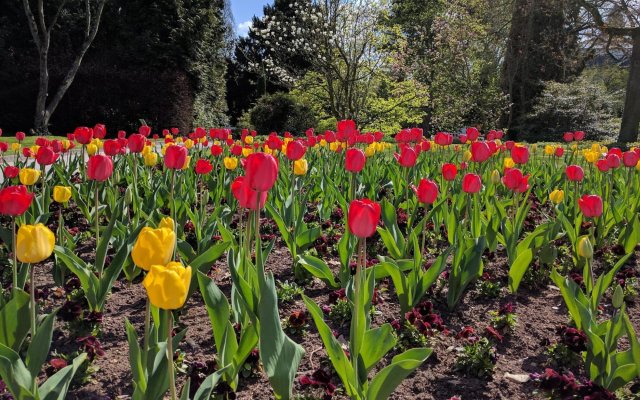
pixel 32 300
pixel 97 226
pixel 172 377
pixel 44 191
pixel 15 255
pixel 173 210
pixel 147 326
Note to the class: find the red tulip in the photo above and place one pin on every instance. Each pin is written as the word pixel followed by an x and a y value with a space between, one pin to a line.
pixel 575 173
pixel 559 151
pixel 295 150
pixel 46 156
pixel 463 138
pixel 509 144
pixel 602 165
pixel 363 217
pixel 630 159
pixel 427 191
pixel 568 136
pixel 236 150
pixel 425 145
pixel 590 205
pixel 515 180
pixel 613 160
pixel 216 150
pixel 175 157
pixel 175 131
pixel 136 143
pixel 261 171
pixel 27 152
pixel 449 171
pixel 11 172
pixel 3 147
pixel 42 141
pixel 122 134
pixel 480 151
pixel 247 197
pixel 346 127
pixel 144 130
pixel 407 157
pixel 578 135
pixel 472 134
pixel 100 131
pixel 99 168
pixel 112 147
pixel 15 200
pixel 203 167
pixel 471 183
pixel 520 154
pixel 83 135
pixel 20 136
pixel 443 139
pixel 354 160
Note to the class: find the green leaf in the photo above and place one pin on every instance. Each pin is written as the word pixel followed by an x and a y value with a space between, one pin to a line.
pixel 279 354
pixel 135 357
pixel 518 269
pixel 334 350
pixel 319 269
pixel 386 381
pixel 39 347
pixel 377 343
pixel 307 237
pixel 15 374
pixel 14 320
pixel 205 390
pixel 56 387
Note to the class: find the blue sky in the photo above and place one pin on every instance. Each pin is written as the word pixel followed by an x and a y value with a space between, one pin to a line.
pixel 244 10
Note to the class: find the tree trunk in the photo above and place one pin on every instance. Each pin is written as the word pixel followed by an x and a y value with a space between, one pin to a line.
pixel 631 113
pixel 41 120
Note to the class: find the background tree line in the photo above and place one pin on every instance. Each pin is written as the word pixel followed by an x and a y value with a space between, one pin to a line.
pixel 535 67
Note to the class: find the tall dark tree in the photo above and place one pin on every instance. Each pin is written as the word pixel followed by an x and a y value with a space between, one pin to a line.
pixel 542 46
pixel 618 23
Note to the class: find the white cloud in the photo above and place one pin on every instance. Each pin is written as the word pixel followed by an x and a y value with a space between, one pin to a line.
pixel 243 28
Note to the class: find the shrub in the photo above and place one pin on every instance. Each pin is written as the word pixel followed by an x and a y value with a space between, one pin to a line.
pixel 280 112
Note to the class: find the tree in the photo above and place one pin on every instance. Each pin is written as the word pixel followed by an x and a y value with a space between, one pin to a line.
pixel 542 46
pixel 617 22
pixel 41 34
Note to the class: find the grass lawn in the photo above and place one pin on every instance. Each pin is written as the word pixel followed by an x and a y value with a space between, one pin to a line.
pixel 29 140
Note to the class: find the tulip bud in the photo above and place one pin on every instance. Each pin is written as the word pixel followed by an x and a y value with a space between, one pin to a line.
pixel 128 196
pixel 618 297
pixel 300 167
pixel 92 149
pixel 495 176
pixel 466 156
pixel 29 176
pixel 230 163
pixel 153 247
pixel 585 248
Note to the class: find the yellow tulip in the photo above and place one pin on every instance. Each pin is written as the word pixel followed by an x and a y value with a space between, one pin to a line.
pixel 230 163
pixel 34 243
pixel 300 166
pixel 495 177
pixel 323 143
pixel 334 146
pixel 34 150
pixel 370 150
pixel 638 166
pixel 167 222
pixel 591 156
pixel 150 159
pixel 167 286
pixel 534 147
pixel 61 194
pixel 92 149
pixel 585 248
pixel 549 150
pixel 557 196
pixel 246 151
pixel 146 150
pixel 287 140
pixel 153 247
pixel 248 140
pixel 179 140
pixel 29 176
pixel 466 156
pixel 188 143
pixel 508 163
pixel 15 147
pixel 187 162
